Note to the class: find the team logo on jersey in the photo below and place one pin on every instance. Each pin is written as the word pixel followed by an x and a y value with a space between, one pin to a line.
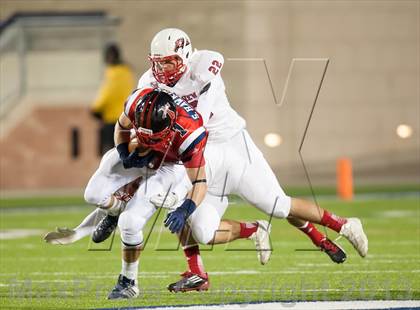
pixel 191 99
pixel 181 43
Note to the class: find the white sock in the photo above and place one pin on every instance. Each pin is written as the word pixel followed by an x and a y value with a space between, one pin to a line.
pixel 304 225
pixel 89 223
pixel 130 270
pixel 116 208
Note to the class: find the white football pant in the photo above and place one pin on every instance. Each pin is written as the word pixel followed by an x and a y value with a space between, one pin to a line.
pixel 236 166
pixel 111 176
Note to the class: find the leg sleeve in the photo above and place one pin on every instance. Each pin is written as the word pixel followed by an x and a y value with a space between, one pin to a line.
pixel 89 223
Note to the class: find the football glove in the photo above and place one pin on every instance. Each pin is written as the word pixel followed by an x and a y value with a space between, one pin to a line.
pixel 133 160
pixel 175 220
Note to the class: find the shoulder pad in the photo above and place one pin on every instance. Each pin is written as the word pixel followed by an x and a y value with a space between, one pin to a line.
pixel 147 80
pixel 206 65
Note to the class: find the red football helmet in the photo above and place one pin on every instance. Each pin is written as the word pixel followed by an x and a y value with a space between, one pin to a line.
pixel 155 117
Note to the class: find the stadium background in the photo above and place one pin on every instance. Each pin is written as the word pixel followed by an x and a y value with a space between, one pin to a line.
pixel 51 67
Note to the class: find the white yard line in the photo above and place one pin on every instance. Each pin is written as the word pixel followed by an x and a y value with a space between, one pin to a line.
pixel 317 305
pixel 7 234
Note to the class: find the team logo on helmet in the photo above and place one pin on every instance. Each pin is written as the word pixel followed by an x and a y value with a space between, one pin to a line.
pixel 181 43
pixel 166 111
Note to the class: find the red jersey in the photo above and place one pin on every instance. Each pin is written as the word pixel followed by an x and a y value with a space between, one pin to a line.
pixel 190 137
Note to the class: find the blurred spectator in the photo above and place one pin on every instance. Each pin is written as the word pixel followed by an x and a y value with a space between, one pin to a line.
pixel 116 87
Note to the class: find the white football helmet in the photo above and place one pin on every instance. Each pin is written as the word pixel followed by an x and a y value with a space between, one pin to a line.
pixel 170 52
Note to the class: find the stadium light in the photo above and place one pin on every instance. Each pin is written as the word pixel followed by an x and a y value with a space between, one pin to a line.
pixel 404 131
pixel 272 139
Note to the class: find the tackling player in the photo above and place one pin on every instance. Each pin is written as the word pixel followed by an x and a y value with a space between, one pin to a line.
pixel 196 77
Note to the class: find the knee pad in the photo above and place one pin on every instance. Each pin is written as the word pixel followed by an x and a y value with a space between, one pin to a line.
pixel 282 208
pixel 203 235
pixel 91 196
pixel 131 229
pixel 94 195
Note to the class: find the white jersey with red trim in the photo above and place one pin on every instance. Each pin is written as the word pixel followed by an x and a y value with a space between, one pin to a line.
pixel 190 138
pixel 203 88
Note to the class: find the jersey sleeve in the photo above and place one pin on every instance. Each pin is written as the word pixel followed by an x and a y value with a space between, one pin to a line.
pixel 192 148
pixel 146 80
pixel 208 99
pixel 206 66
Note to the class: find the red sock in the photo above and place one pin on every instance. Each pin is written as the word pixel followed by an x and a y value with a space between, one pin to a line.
pixel 194 260
pixel 247 229
pixel 332 221
pixel 310 230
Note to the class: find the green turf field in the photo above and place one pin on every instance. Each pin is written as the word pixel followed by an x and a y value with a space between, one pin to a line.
pixel 36 275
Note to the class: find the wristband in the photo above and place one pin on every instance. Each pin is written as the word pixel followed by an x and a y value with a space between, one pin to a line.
pixel 122 149
pixel 189 207
pixel 199 181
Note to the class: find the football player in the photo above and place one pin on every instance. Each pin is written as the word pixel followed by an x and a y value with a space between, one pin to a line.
pixel 234 162
pixel 234 165
pixel 168 131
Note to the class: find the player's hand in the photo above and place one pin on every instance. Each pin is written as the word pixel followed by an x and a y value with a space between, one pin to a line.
pixel 175 220
pixel 133 160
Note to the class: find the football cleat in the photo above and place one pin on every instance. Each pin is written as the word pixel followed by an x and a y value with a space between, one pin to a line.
pixel 125 289
pixel 62 235
pixel 105 228
pixel 334 251
pixel 261 239
pixel 190 282
pixel 353 232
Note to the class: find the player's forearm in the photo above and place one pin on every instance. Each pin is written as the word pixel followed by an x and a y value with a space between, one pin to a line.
pixel 122 131
pixel 121 135
pixel 199 189
pixel 197 193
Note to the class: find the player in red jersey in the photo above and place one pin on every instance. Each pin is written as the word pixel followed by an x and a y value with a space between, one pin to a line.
pixel 169 133
pixel 171 140
pixel 169 159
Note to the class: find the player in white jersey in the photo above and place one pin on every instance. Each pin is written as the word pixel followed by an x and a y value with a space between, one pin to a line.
pixel 234 163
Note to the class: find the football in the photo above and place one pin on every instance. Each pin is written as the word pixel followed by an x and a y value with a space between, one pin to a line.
pixel 134 144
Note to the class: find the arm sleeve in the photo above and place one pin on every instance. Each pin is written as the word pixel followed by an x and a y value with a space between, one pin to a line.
pixel 193 156
pixel 145 80
pixel 205 104
pixel 208 66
